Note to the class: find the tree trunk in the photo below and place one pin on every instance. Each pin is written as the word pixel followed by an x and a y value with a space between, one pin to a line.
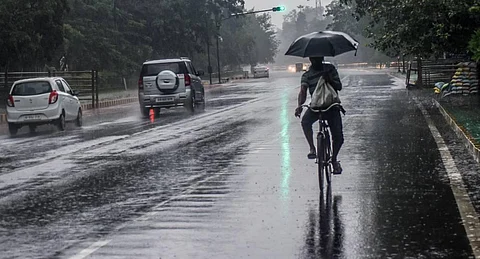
pixel 478 83
pixel 419 82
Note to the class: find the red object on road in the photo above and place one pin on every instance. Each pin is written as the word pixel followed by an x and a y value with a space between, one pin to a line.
pixel 152 115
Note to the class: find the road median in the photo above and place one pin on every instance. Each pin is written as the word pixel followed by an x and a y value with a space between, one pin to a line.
pixel 106 103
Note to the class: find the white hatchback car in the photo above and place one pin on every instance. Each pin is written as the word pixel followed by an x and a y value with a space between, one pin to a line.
pixel 261 71
pixel 40 101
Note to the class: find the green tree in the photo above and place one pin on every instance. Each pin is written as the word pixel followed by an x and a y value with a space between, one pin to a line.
pixel 346 20
pixel 248 40
pixel 31 32
pixel 474 44
pixel 426 28
pixel 118 35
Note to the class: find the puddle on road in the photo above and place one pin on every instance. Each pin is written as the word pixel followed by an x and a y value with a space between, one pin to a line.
pixel 227 102
pixel 378 81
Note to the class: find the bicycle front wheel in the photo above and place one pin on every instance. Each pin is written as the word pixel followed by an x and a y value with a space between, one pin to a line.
pixel 327 151
pixel 321 162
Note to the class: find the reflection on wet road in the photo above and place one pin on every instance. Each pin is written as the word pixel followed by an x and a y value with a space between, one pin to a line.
pixel 325 233
pixel 233 182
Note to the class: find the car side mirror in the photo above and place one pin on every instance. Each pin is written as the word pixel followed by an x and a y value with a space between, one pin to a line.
pixel 75 93
pixel 200 73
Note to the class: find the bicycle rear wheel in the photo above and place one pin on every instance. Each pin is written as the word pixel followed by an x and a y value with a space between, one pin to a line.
pixel 320 162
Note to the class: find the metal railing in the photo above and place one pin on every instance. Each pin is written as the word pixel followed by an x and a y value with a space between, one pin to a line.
pixel 84 82
pixel 432 71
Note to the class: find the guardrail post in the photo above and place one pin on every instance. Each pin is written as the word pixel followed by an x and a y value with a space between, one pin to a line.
pixel 96 88
pixel 93 88
pixel 6 78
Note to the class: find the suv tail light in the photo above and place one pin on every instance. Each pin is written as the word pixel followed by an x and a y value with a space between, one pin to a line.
pixel 188 80
pixel 53 98
pixel 140 83
pixel 10 101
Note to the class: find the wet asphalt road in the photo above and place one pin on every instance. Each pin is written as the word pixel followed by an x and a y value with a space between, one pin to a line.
pixel 234 181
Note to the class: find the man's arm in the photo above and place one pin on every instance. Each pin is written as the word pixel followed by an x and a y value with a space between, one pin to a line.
pixel 334 79
pixel 302 95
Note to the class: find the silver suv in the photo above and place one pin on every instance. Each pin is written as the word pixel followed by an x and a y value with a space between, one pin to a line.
pixel 170 83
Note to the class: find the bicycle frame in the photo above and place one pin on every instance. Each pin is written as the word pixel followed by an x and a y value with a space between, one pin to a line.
pixel 324 148
pixel 324 154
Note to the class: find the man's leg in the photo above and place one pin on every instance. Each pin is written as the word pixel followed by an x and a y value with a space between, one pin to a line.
pixel 307 122
pixel 334 119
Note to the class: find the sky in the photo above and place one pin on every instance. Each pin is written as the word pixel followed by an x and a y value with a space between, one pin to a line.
pixel 277 18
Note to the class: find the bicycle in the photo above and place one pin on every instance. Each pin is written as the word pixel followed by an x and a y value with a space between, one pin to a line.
pixel 324 149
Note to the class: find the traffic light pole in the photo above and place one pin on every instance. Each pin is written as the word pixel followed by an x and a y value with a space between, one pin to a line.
pixel 219 24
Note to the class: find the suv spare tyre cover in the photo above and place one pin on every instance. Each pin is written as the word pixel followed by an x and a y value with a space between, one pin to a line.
pixel 167 81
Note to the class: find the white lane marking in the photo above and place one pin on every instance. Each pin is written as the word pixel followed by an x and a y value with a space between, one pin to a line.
pixel 469 216
pixel 148 215
pixel 91 249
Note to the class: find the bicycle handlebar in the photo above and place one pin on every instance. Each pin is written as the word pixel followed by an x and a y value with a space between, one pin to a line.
pixel 331 106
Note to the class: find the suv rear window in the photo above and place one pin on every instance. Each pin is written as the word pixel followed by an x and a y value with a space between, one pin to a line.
pixel 32 88
pixel 155 69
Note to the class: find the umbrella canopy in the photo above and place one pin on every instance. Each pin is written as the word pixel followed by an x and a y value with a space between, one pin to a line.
pixel 322 44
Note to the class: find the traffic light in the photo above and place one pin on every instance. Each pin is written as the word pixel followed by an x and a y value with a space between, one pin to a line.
pixel 278 8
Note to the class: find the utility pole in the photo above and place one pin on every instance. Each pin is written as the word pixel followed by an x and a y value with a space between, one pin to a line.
pixel 218 53
pixel 208 49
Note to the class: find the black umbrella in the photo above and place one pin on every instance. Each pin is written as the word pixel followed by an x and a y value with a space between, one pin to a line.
pixel 322 44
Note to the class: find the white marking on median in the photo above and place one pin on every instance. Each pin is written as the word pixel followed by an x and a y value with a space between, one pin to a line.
pixel 91 249
pixel 469 216
pixel 148 215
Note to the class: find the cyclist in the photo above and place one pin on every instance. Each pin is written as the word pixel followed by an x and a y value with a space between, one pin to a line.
pixel 333 116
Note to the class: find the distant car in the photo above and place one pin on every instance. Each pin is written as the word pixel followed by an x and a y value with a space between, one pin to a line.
pixel 261 71
pixel 168 83
pixel 298 67
pixel 292 68
pixel 37 101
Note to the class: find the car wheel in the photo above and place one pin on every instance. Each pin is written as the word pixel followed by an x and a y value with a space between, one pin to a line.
pixel 191 104
pixel 61 122
pixel 201 105
pixel 157 112
pixel 79 120
pixel 145 112
pixel 13 129
pixel 32 128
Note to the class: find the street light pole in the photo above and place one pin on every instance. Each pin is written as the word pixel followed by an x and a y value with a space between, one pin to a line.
pixel 208 51
pixel 218 54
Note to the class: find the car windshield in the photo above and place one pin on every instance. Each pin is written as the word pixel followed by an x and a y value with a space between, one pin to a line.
pixel 154 69
pixel 31 88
